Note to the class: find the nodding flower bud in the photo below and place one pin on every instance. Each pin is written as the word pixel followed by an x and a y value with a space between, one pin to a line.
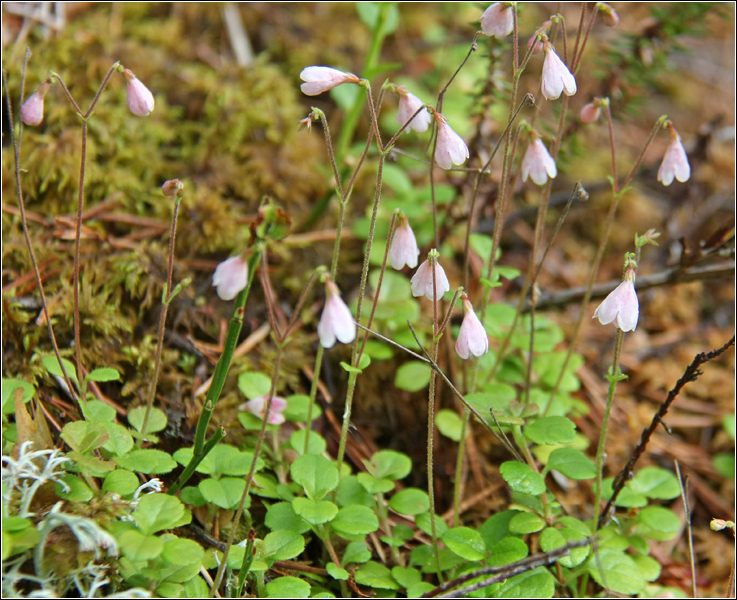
pixel 498 20
pixel 675 162
pixel 139 97
pixel 472 338
pixel 231 277
pixel 404 250
pixel 537 163
pixel 257 406
pixel 450 148
pixel 336 321
pixel 321 79
pixel 610 16
pixel 32 111
pixel 590 113
pixel 556 76
pixel 172 187
pixel 409 104
pixel 621 306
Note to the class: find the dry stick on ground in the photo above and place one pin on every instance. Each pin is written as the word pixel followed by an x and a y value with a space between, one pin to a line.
pixel 504 572
pixel 691 374
pixel 601 290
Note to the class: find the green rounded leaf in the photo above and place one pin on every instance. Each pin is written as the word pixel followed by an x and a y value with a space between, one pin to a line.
pixel 316 474
pixel 182 552
pixel 120 481
pixel 357 553
pixel 282 516
pixel 148 461
pixel 523 523
pixel 283 544
pixel 350 491
pixel 317 444
pixel 410 501
pixel 391 465
pixel 551 430
pixel 424 522
pixel 138 547
pixel 662 523
pixel 298 406
pixel 99 412
pixel 315 513
pixel 655 482
pixel 120 441
pixel 8 388
pixel 254 384
pixel 620 573
pixel 355 520
pixel 77 490
pixel 507 550
pixel 336 572
pixel 533 584
pixel 374 485
pixel 288 587
pixel 160 511
pixel 571 463
pixel 156 419
pixel 376 575
pixel 225 492
pixel 103 374
pixel 465 542
pixel 84 436
pixel 521 478
pixel 405 576
pixel 413 376
pixel 449 424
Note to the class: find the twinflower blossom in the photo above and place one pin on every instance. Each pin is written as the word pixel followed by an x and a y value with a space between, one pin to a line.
pixel 422 281
pixel 404 250
pixel 621 306
pixel 257 406
pixel 140 99
pixel 321 79
pixel 450 149
pixel 537 163
pixel 590 113
pixel 472 338
pixel 675 162
pixel 409 104
pixel 336 322
pixel 498 20
pixel 32 111
pixel 556 76
pixel 231 276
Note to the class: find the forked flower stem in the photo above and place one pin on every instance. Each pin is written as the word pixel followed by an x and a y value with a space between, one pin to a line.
pixel 615 377
pixel 16 142
pixel 166 299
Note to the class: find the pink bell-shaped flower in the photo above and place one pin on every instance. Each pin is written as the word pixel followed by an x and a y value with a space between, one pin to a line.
pixel 321 79
pixel 498 20
pixel 537 163
pixel 231 277
pixel 556 76
pixel 472 338
pixel 450 149
pixel 336 322
pixel 422 284
pixel 32 111
pixel 621 306
pixel 257 406
pixel 675 162
pixel 139 97
pixel 404 250
pixel 409 104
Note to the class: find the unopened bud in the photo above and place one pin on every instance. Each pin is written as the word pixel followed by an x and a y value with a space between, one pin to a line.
pixel 172 187
pixel 610 16
pixel 590 113
pixel 32 111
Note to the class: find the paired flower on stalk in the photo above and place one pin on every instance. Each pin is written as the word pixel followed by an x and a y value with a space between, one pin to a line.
pixel 472 338
pixel 556 76
pixel 404 250
pixel 409 104
pixel 537 163
pixel 231 277
pixel 336 322
pixel 450 149
pixel 498 19
pixel 139 97
pixel 621 305
pixel 675 162
pixel 257 406
pixel 422 280
pixel 321 79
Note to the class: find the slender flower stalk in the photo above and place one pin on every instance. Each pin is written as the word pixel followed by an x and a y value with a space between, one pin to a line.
pixel 166 299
